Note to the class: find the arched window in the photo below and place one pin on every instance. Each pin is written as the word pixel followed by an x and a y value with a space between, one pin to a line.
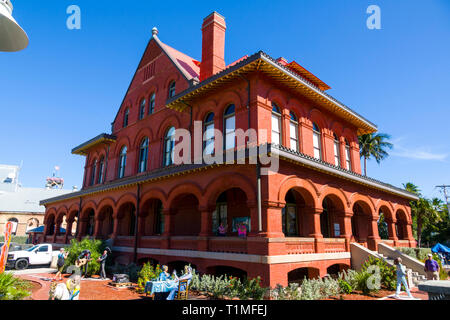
pixel 276 124
pixel 142 109
pixel 337 152
pixel 143 156
pixel 293 131
pixel 348 161
pixel 151 104
pixel 208 135
pixel 101 167
pixel 169 144
pixel 172 89
pixel 94 167
pixel 230 127
pixel 125 118
pixel 122 162
pixel 316 142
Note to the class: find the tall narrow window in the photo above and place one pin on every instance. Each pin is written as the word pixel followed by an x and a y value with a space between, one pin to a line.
pixel 276 124
pixel 347 156
pixel 316 142
pixel 337 152
pixel 289 216
pixel 94 168
pixel 151 104
pixel 219 216
pixel 122 162
pixel 208 145
pixel 143 156
pixel 169 144
pixel 172 89
pixel 230 127
pixel 142 109
pixel 101 167
pixel 293 132
pixel 125 118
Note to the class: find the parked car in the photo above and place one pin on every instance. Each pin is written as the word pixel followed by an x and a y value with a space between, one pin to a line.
pixel 41 254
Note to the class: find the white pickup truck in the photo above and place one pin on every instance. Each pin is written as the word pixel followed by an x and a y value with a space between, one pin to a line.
pixel 41 254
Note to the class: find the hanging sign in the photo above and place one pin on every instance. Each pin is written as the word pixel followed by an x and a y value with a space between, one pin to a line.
pixel 5 247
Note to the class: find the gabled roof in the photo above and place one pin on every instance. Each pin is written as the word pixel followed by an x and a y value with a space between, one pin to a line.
pixel 262 62
pixel 188 66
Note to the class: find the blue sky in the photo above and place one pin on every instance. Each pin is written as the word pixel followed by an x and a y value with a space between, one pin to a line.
pixel 66 87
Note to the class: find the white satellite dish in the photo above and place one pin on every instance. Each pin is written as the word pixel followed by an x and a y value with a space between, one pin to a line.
pixel 12 36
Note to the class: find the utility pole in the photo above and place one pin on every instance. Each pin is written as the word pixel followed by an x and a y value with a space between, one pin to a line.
pixel 447 197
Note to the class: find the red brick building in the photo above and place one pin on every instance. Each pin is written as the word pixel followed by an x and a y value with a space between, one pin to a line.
pixel 301 218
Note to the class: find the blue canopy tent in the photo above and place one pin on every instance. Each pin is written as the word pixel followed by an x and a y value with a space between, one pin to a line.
pixel 440 248
pixel 41 230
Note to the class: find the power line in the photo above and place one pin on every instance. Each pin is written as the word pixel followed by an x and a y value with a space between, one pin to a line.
pixel 446 195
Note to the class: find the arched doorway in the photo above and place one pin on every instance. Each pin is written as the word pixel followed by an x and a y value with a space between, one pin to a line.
pixel 51 225
pixel 300 274
pixel 106 222
pixel 383 229
pixel 227 271
pixel 153 218
pixel 179 266
pixel 401 225
pixel 89 219
pixel 331 222
pixel 186 218
pixel 294 221
pixel 231 210
pixel 127 220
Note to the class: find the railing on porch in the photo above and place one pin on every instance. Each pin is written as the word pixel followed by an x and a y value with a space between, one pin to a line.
pixel 183 243
pixel 228 245
pixel 153 242
pixel 300 245
pixel 334 245
pixel 403 243
pixel 388 242
pixel 60 239
pixel 124 241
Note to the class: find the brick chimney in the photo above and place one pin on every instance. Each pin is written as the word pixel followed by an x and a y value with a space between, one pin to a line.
pixel 213 45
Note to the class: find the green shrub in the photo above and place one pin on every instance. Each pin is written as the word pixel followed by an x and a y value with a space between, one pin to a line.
pixel 12 288
pixel 345 286
pixel 148 273
pixel 76 247
pixel 291 292
pixel 16 239
pixel 388 274
pixel 252 290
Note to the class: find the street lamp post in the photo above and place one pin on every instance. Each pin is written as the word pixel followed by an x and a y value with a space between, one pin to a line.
pixel 12 36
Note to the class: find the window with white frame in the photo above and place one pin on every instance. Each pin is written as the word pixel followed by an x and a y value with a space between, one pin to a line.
pixel 347 156
pixel 122 162
pixel 169 145
pixel 337 152
pixel 208 136
pixel 276 125
pixel 143 156
pixel 293 132
pixel 317 142
pixel 230 127
pixel 151 104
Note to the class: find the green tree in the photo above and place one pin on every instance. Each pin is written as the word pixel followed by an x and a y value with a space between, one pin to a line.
pixel 374 145
pixel 424 211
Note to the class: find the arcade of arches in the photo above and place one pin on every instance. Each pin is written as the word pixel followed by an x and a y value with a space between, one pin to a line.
pixel 184 222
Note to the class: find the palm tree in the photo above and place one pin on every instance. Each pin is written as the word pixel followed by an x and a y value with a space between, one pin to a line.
pixel 374 145
pixel 425 211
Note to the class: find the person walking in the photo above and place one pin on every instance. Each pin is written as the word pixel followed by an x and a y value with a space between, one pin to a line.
pixel 401 279
pixel 432 268
pixel 62 256
pixel 102 261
